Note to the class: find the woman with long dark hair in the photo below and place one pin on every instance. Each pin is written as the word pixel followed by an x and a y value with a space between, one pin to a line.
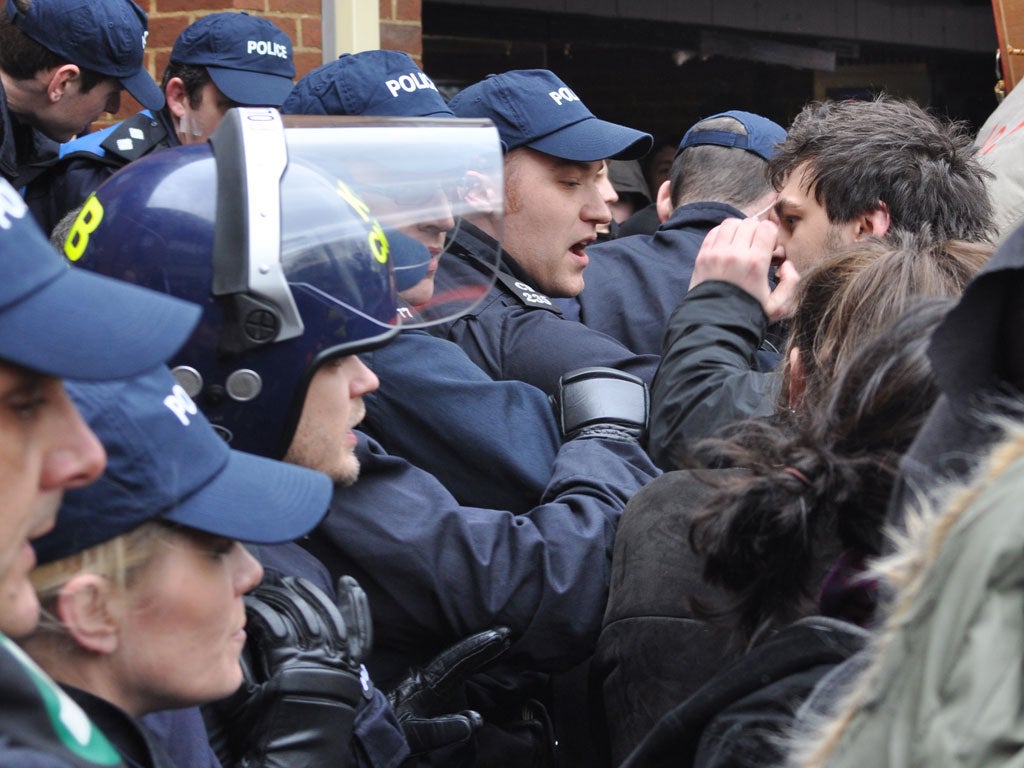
pixel 707 560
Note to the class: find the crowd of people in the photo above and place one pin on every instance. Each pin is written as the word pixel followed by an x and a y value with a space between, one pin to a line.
pixel 476 442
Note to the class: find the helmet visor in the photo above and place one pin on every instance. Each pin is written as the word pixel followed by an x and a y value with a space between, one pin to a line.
pixel 415 178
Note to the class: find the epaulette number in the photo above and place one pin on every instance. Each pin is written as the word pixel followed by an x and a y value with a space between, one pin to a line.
pixel 530 295
pixel 526 294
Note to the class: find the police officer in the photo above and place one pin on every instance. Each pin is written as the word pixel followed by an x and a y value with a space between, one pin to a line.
pixel 55 322
pixel 62 64
pixel 720 171
pixel 219 61
pixel 556 194
pixel 491 443
pixel 189 496
pixel 434 571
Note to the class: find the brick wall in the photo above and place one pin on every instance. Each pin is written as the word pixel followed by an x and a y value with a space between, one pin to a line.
pixel 400 29
pixel 401 26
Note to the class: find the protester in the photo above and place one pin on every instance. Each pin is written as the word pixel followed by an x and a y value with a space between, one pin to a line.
pixel 788 539
pixel 939 684
pixel 847 170
pixel 658 585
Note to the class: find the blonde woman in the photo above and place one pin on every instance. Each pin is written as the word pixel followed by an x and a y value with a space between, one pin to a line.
pixel 142 579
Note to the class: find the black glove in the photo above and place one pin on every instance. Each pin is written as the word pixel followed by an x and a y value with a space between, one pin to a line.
pixel 602 402
pixel 424 700
pixel 298 702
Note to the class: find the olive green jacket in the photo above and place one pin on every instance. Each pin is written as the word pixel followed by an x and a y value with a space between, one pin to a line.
pixel 946 683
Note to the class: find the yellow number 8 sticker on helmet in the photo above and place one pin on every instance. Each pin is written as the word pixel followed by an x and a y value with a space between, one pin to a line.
pixel 88 219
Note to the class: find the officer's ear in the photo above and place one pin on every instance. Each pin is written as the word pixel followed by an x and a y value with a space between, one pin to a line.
pixel 663 204
pixel 177 96
pixel 59 78
pixel 89 607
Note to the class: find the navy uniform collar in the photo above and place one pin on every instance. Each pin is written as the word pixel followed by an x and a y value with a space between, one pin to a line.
pixel 701 214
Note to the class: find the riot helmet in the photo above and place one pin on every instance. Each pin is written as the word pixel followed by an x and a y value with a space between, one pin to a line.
pixel 289 265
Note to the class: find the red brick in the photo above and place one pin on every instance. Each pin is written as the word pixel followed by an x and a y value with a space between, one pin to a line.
pixel 409 10
pixel 173 6
pixel 306 61
pixel 387 9
pixel 289 25
pixel 249 5
pixel 162 59
pixel 163 31
pixel 312 33
pixel 402 37
pixel 311 7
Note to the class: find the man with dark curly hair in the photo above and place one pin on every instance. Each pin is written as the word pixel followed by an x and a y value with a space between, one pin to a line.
pixel 852 168
pixel 847 171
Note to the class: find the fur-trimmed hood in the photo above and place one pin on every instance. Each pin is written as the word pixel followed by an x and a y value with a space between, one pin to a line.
pixel 945 684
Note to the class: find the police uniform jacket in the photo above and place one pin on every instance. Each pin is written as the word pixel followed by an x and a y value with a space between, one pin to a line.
pixel 644 222
pixel 89 160
pixel 34 714
pixel 137 746
pixel 182 734
pixel 436 572
pixel 634 283
pixel 377 738
pixel 491 443
pixel 709 375
pixel 24 152
pixel 519 333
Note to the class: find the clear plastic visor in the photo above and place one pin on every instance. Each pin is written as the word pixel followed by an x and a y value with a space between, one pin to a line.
pixel 417 178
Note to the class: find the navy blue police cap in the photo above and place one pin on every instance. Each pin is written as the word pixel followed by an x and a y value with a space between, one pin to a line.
pixel 533 108
pixel 64 321
pixel 105 36
pixel 248 58
pixel 763 136
pixel 165 462
pixel 384 83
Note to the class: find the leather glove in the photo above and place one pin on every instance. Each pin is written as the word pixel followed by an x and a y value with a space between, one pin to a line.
pixel 302 685
pixel 602 402
pixel 424 700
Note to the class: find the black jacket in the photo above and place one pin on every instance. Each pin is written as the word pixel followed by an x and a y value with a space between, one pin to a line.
pixel 517 332
pixel 35 716
pixel 24 152
pixel 137 746
pixel 88 161
pixel 633 284
pixel 709 375
pixel 655 646
pixel 977 354
pixel 737 718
